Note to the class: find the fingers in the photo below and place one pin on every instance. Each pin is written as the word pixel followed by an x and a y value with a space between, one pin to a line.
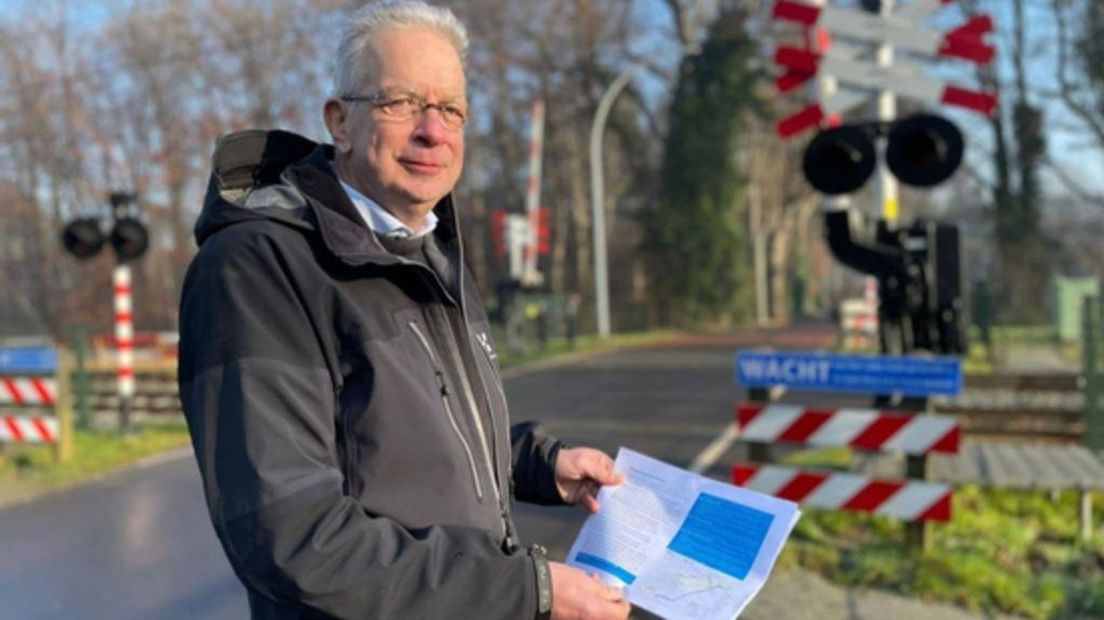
pixel 581 473
pixel 599 466
pixel 589 500
pixel 582 595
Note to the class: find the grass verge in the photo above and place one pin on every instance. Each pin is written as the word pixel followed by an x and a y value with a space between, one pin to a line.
pixel 1013 552
pixel 28 471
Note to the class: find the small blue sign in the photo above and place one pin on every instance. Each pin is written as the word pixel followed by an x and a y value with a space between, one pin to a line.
pixel 723 535
pixel 870 374
pixel 32 360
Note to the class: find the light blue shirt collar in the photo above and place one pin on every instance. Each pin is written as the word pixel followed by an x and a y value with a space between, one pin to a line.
pixel 383 223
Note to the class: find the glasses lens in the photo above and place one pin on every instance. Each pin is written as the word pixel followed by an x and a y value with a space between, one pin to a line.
pixel 452 116
pixel 400 108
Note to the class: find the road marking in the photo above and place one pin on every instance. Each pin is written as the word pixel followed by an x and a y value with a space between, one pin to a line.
pixel 707 457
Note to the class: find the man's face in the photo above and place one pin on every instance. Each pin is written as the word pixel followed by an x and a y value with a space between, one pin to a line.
pixel 405 165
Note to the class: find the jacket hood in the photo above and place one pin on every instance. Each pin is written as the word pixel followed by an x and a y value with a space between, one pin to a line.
pixel 245 181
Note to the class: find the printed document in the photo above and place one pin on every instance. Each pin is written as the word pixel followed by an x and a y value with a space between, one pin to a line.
pixel 682 545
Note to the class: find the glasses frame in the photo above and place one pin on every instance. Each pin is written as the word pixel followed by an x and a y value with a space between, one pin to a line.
pixel 381 98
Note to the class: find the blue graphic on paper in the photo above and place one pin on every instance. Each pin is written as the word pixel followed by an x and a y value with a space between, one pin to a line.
pixel 722 534
pixel 870 374
pixel 35 360
pixel 605 565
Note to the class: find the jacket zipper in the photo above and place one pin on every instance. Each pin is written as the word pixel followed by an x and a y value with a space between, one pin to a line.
pixel 509 542
pixel 443 388
pixel 497 381
pixel 465 384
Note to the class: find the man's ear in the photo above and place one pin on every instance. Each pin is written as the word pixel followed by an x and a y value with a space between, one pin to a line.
pixel 337 122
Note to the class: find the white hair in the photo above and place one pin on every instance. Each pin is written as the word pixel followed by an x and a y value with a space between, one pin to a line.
pixel 352 61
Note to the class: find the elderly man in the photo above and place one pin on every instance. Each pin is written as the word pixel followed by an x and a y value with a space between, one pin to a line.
pixel 339 383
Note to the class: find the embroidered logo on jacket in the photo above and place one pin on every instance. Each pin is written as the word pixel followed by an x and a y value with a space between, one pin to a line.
pixel 485 342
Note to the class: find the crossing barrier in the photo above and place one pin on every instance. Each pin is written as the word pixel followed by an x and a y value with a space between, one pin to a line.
pixel 28 429
pixel 763 424
pixel 864 429
pixel 908 500
pixel 30 391
pixel 35 399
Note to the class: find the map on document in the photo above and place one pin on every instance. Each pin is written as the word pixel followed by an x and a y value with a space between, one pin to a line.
pixel 682 545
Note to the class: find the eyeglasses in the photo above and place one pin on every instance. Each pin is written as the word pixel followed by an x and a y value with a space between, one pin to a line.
pixel 403 106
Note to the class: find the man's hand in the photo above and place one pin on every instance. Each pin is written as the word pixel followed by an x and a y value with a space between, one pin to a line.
pixel 579 596
pixel 580 472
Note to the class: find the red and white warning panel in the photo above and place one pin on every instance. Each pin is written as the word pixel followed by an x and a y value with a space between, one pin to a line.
pixel 856 77
pixel 865 429
pixel 966 42
pixel 28 429
pixel 904 79
pixel 28 391
pixel 909 500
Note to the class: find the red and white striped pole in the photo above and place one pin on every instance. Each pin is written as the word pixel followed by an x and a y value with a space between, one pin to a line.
pixel 532 196
pixel 124 344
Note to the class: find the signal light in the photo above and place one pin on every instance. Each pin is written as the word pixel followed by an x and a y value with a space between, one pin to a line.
pixel 83 238
pixel 129 238
pixel 924 150
pixel 839 160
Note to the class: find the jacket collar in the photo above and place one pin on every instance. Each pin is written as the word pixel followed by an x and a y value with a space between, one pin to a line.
pixel 343 231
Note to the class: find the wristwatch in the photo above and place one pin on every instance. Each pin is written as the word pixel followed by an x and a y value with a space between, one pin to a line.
pixel 544 581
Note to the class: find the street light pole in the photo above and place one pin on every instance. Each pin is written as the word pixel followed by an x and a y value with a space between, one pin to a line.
pixel 597 200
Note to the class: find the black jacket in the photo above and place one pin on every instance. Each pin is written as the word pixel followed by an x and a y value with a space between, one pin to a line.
pixel 345 406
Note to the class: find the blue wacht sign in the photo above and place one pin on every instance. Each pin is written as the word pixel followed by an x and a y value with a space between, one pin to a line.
pixel 871 374
pixel 31 360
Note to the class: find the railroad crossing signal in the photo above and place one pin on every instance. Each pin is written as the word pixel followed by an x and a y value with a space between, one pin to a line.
pixel 904 78
pixel 518 236
pixel 858 79
pixel 84 237
pixel 922 150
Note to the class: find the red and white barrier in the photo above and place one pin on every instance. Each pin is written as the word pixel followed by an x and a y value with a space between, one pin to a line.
pixel 865 429
pixel 124 331
pixel 909 500
pixel 28 429
pixel 533 189
pixel 28 391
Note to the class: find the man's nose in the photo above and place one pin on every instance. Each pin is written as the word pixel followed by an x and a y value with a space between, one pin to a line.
pixel 430 128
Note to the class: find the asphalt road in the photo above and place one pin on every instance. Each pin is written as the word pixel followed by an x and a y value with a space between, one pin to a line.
pixel 138 545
